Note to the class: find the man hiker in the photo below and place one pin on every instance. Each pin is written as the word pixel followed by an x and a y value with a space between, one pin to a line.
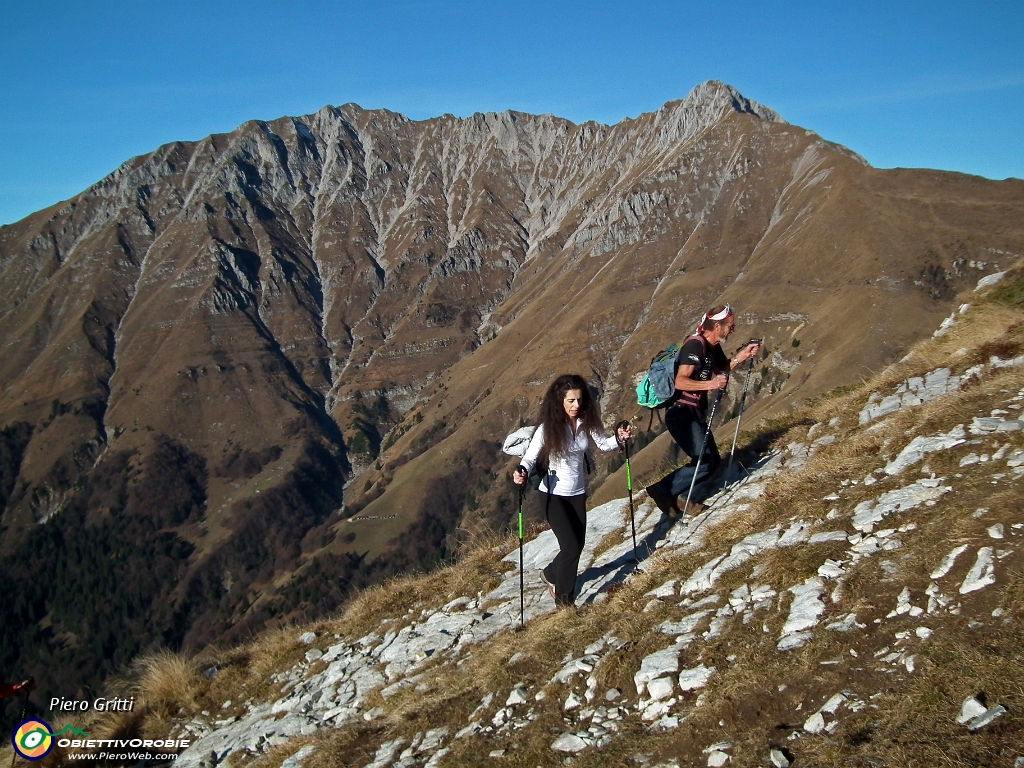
pixel 8 690
pixel 701 368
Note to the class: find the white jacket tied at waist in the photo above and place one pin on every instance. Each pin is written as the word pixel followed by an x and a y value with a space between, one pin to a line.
pixel 566 475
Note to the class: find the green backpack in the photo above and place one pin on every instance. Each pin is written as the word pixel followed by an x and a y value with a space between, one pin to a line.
pixel 659 383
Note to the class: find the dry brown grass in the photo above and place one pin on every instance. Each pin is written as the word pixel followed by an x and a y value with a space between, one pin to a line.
pixel 913 724
pixel 167 682
pixel 270 651
pixel 895 735
pixel 477 571
pixel 163 685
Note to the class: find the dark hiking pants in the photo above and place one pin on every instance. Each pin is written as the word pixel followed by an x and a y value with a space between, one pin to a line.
pixel 567 516
pixel 687 428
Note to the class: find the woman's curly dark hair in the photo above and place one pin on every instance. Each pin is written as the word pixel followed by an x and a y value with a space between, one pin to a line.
pixel 555 420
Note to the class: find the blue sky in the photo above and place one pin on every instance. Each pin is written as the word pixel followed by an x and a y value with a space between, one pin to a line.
pixel 85 86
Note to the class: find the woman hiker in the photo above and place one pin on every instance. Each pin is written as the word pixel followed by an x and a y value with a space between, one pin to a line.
pixel 569 419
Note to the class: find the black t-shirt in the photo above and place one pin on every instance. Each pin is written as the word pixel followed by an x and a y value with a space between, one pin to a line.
pixel 706 359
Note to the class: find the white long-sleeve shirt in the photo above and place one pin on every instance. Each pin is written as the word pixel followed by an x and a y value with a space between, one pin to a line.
pixel 566 474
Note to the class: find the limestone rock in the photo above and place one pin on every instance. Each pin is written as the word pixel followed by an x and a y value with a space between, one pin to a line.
pixel 982 573
pixel 569 742
pixel 969 710
pixel 986 718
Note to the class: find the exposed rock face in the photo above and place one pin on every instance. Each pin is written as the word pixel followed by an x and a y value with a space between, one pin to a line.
pixel 259 316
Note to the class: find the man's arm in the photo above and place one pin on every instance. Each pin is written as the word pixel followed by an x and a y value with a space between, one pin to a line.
pixel 685 384
pixel 738 359
pixel 744 354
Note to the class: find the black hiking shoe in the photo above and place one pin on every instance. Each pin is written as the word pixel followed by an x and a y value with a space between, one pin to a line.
pixel 664 500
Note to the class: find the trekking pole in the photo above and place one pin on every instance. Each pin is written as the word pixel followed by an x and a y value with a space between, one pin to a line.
pixel 707 434
pixel 629 487
pixel 24 711
pixel 739 417
pixel 522 588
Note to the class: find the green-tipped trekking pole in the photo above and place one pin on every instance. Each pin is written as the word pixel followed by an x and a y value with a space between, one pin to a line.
pixel 522 599
pixel 739 417
pixel 629 487
pixel 707 434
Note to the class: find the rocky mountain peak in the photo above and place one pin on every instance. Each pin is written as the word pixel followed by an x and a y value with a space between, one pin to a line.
pixel 714 90
pixel 705 105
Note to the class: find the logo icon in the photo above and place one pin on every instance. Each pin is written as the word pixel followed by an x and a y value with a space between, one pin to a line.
pixel 33 739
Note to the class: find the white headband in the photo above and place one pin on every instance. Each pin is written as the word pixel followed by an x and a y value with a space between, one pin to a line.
pixel 726 311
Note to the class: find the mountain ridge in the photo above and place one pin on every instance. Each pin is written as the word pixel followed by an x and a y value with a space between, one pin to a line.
pixel 312 321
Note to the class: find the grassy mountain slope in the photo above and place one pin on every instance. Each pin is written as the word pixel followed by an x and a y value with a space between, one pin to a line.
pixel 844 621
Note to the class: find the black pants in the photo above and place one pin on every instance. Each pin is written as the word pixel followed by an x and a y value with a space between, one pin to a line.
pixel 567 516
pixel 687 427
